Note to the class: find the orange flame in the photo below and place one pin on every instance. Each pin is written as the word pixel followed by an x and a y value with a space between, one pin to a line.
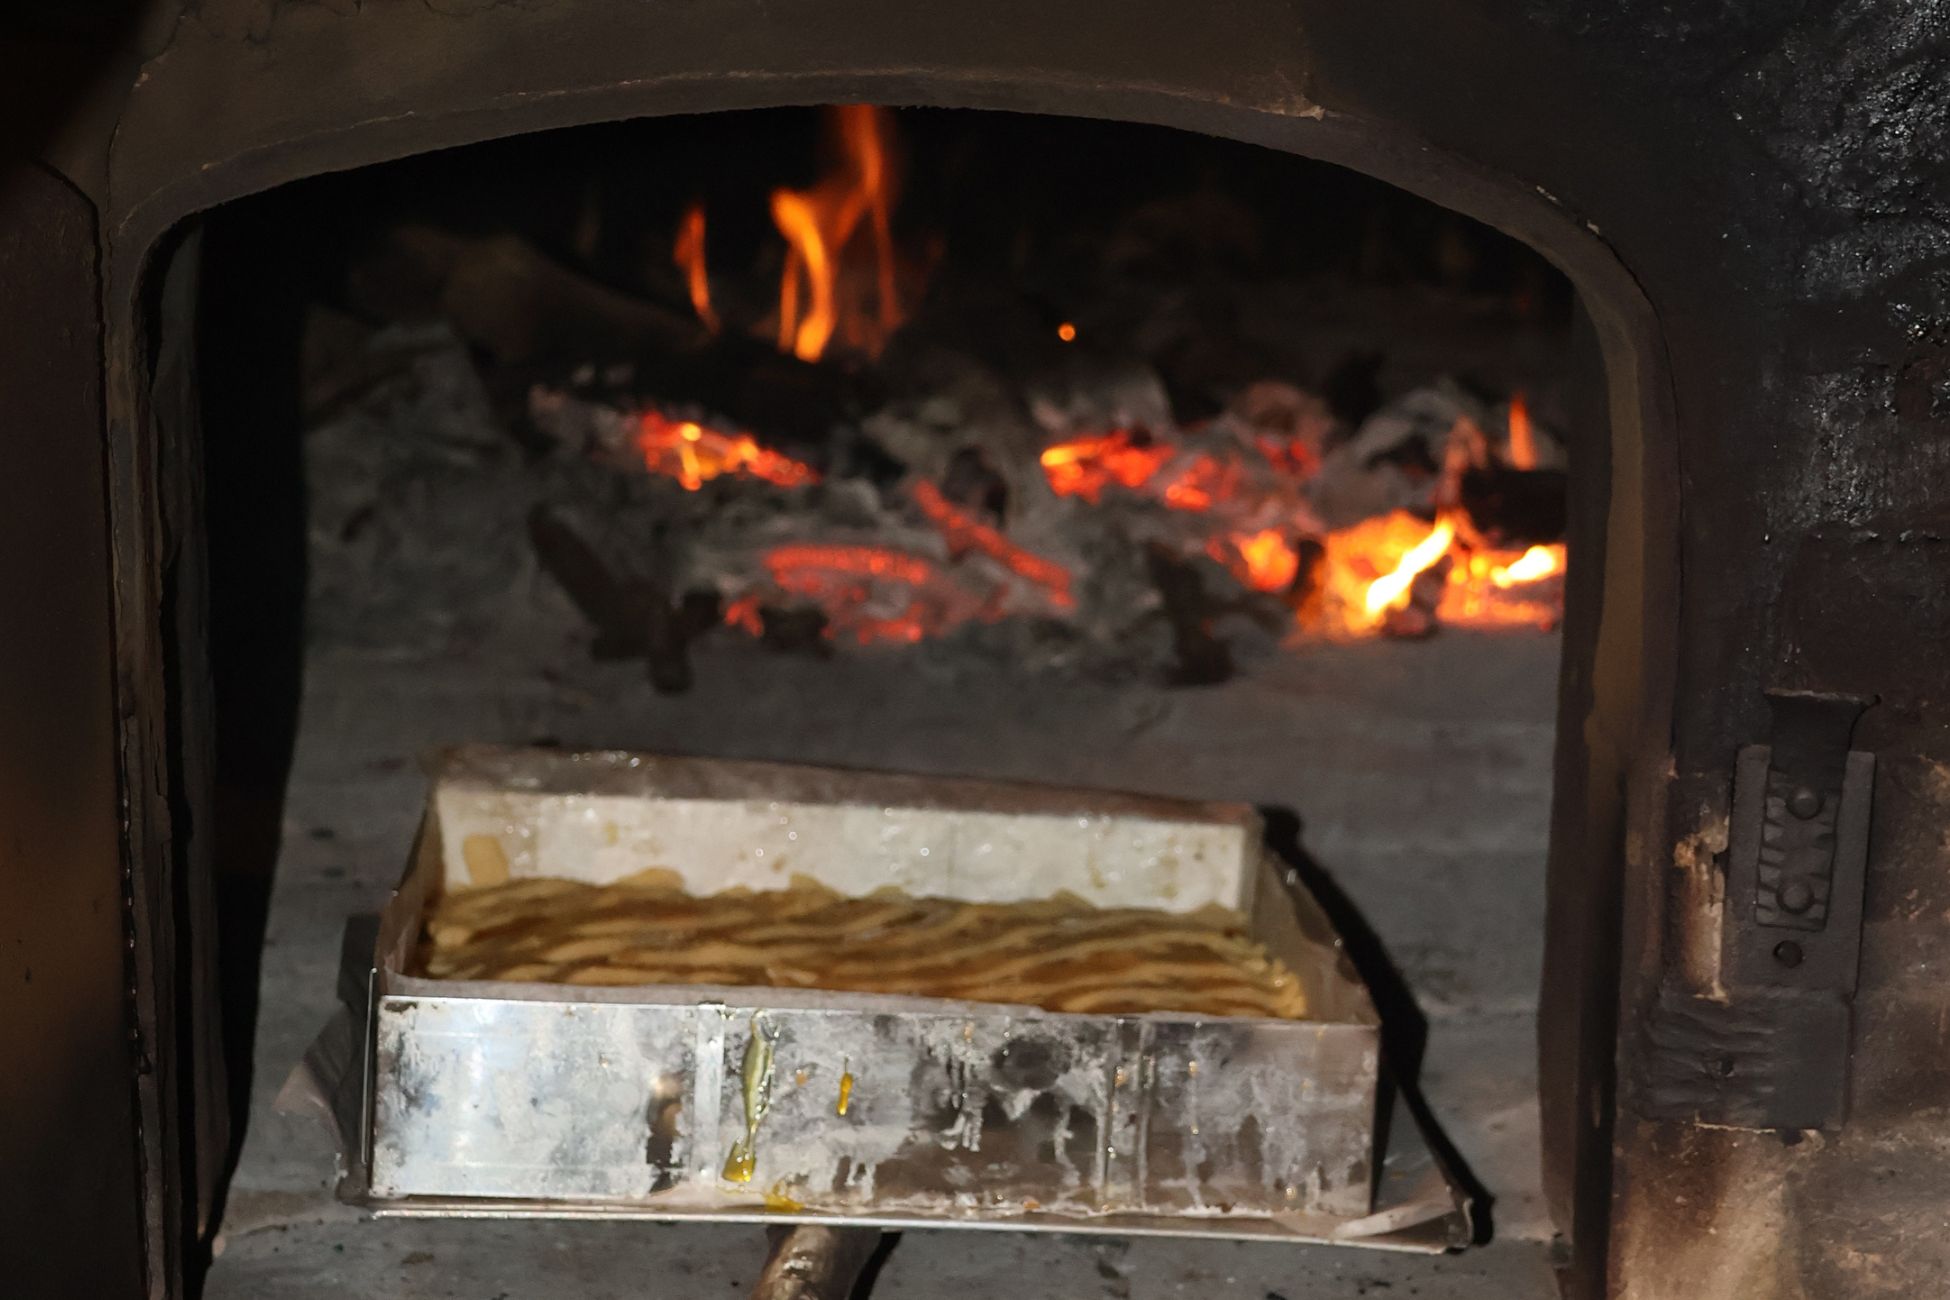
pixel 819 224
pixel 1368 569
pixel 688 253
pixel 1367 572
pixel 694 455
pixel 1523 439
pixel 1500 589
pixel 1533 565
pixel 1391 590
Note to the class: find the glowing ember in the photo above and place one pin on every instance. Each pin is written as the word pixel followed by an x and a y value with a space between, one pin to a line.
pixel 966 534
pixel 816 298
pixel 1291 457
pixel 1242 499
pixel 804 334
pixel 800 566
pixel 1067 332
pixel 694 455
pixel 688 253
pixel 1204 482
pixel 869 594
pixel 1085 467
pixel 1264 561
pixel 745 614
pixel 1523 441
pixel 1367 578
pixel 1229 478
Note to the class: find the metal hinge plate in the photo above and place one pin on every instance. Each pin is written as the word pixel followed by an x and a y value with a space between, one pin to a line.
pixel 1797 854
pixel 1796 851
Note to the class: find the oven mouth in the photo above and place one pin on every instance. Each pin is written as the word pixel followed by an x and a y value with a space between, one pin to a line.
pixel 1482 466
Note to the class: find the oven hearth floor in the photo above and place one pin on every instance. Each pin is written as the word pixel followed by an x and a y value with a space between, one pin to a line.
pixel 1421 771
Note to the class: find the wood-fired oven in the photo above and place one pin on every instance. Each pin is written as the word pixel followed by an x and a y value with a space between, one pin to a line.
pixel 1740 1025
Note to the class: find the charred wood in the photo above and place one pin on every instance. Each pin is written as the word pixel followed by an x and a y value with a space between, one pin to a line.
pixel 1201 658
pixel 632 613
pixel 1515 507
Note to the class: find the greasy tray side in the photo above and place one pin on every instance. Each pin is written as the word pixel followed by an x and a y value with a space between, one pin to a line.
pixel 1419 1207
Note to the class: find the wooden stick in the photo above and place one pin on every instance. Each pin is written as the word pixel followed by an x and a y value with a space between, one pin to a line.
pixel 815 1262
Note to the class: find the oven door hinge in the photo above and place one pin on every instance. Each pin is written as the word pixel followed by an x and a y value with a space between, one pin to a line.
pixel 1797 849
pixel 1769 1047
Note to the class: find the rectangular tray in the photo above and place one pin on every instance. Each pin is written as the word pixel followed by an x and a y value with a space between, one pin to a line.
pixel 516 1098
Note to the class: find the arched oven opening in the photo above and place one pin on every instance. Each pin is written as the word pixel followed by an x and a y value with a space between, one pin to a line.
pixel 952 443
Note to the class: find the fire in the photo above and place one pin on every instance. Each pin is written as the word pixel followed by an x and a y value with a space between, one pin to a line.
pixel 816 297
pixel 1394 574
pixel 746 614
pixel 869 594
pixel 966 534
pixel 800 566
pixel 1391 591
pixel 1226 478
pixel 1204 482
pixel 688 253
pixel 1264 561
pixel 1086 466
pixel 694 455
pixel 1523 440
pixel 1368 571
pixel 1537 563
pixel 1492 589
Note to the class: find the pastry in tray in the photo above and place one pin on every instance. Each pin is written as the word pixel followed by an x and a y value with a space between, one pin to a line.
pixel 1061 953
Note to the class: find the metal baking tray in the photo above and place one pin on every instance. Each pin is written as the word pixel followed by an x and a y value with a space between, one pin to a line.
pixel 507 1099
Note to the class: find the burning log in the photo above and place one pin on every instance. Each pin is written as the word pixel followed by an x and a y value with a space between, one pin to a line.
pixel 1203 659
pixel 1515 507
pixel 526 310
pixel 797 403
pixel 504 296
